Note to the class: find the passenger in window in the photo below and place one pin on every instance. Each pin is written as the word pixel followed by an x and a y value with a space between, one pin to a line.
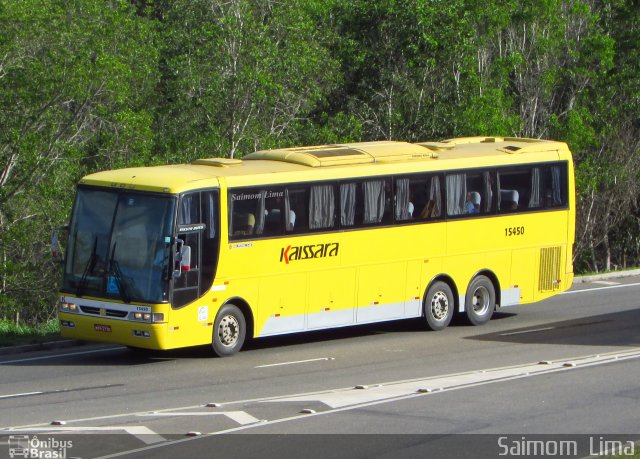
pixel 472 204
pixel 244 224
pixel 273 216
pixel 429 210
pixel 509 199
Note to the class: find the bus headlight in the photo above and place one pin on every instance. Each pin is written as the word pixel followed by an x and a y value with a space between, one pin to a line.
pixel 68 307
pixel 142 316
pixel 156 317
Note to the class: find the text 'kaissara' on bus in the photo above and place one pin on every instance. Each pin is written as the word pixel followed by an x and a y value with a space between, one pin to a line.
pixel 304 252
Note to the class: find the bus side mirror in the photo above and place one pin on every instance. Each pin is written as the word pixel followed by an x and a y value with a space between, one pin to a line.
pixel 57 251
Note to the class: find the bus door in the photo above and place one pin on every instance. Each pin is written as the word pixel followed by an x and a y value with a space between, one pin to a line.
pixel 196 246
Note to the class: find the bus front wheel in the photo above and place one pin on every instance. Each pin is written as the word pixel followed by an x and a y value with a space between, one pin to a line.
pixel 439 306
pixel 229 331
pixel 480 301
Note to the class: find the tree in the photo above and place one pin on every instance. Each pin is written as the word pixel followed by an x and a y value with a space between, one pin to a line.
pixel 74 80
pixel 238 75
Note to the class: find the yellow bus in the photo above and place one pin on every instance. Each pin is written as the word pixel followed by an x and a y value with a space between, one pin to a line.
pixel 296 239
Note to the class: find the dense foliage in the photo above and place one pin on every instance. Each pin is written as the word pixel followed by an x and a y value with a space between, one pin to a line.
pixel 87 85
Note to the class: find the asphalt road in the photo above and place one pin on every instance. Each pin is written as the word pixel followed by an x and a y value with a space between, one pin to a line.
pixel 562 373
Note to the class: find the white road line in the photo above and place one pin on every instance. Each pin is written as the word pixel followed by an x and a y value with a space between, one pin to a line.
pixel 408 392
pixel 572 292
pixel 25 394
pixel 55 356
pixel 294 362
pixel 241 417
pixel 526 331
pixel 436 382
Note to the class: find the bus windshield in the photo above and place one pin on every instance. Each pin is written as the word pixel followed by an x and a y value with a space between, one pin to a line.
pixel 120 245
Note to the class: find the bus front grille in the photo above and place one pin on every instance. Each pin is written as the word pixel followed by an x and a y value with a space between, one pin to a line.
pixel 107 312
pixel 549 278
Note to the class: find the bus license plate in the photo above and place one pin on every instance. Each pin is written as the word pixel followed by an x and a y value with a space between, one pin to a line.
pixel 102 328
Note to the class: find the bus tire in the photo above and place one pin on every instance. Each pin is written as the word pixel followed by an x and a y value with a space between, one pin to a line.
pixel 480 301
pixel 229 331
pixel 439 306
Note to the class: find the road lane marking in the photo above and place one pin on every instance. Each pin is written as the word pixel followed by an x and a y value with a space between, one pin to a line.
pixel 383 393
pixel 25 394
pixel 295 362
pixel 408 392
pixel 572 292
pixel 70 354
pixel 241 417
pixel 347 397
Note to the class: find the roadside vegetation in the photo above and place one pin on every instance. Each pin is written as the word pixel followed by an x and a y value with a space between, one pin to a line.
pixel 89 85
pixel 12 334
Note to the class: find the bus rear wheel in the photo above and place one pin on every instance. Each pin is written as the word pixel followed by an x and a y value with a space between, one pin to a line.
pixel 229 331
pixel 480 301
pixel 438 306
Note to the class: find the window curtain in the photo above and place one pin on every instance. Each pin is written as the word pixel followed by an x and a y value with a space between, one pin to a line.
pixel 498 194
pixel 402 199
pixel 188 210
pixel 374 197
pixel 456 193
pixel 347 204
pixel 321 207
pixel 534 199
pixel 435 195
pixel 260 213
pixel 289 215
pixel 556 186
pixel 488 192
pixel 210 214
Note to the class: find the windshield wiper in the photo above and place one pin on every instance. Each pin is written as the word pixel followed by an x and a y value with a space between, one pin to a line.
pixel 114 269
pixel 88 268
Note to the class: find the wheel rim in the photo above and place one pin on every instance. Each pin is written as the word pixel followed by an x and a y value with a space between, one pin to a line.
pixel 439 306
pixel 229 331
pixel 480 300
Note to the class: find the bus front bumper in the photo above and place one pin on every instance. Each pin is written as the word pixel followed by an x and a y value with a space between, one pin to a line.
pixel 100 329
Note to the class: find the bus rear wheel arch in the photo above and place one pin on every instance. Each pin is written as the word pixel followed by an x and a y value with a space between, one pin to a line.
pixel 439 305
pixel 229 331
pixel 480 300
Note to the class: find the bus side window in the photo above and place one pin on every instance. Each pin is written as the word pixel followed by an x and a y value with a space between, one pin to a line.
pixel 515 189
pixel 322 206
pixel 376 201
pixel 469 193
pixel 243 223
pixel 556 186
pixel 404 198
pixel 420 201
pixel 509 200
pixel 479 193
pixel 244 205
pixel 296 197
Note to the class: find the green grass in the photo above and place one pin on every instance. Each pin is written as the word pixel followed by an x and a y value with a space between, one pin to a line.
pixel 15 335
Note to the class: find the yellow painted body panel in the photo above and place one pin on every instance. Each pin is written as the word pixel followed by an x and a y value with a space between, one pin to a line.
pixel 365 275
